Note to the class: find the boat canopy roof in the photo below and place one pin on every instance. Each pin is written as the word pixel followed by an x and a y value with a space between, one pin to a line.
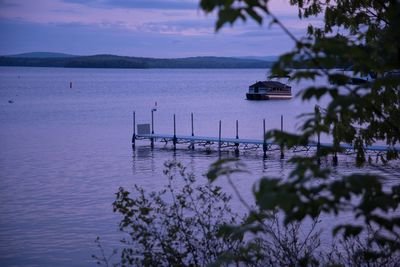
pixel 273 84
pixel 278 76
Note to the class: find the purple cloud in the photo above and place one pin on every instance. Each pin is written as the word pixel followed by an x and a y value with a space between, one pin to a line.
pixel 141 28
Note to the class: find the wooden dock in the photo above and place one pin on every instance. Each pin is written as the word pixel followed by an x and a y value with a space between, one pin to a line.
pixel 191 141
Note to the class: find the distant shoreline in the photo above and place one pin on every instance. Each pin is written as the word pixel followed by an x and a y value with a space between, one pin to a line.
pixel 122 62
pixel 110 68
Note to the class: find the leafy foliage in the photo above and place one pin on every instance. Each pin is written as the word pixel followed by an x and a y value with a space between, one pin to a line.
pixel 176 226
pixel 198 228
pixel 366 35
pixel 189 223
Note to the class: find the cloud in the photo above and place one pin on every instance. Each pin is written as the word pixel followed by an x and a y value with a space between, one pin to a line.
pixel 184 27
pixel 142 15
pixel 83 39
pixel 139 4
pixel 53 11
pixel 7 3
pixel 160 21
pixel 143 28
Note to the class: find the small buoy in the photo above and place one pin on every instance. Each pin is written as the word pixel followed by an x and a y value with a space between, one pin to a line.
pixel 70 85
pixel 10 101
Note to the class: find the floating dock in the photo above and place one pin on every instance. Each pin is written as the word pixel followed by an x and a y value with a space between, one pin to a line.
pixel 146 133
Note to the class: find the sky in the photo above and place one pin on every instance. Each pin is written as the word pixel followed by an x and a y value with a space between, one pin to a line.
pixel 143 28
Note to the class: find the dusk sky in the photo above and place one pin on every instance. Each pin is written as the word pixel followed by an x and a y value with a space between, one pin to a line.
pixel 145 28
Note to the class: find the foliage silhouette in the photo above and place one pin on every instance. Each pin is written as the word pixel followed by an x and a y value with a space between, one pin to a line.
pixel 190 223
pixel 366 34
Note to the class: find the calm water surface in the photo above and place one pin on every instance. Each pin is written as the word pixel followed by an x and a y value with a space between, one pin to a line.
pixel 65 152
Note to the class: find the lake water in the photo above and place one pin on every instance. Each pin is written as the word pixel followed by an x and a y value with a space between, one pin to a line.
pixel 66 151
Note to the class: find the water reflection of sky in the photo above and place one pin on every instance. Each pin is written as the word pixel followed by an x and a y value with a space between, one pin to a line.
pixel 65 152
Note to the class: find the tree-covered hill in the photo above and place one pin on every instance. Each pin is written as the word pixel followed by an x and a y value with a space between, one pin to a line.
pixel 112 61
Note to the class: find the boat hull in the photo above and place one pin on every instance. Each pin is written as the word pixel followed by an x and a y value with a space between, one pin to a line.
pixel 250 96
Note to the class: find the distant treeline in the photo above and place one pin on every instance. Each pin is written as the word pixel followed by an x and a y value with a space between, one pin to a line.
pixel 111 61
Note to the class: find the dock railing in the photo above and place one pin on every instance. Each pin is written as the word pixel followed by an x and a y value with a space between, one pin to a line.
pixel 236 144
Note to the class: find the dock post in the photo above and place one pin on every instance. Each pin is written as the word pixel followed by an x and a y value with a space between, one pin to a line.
pixel 174 141
pixel 335 159
pixel 237 137
pixel 317 122
pixel 192 124
pixel 318 148
pixel 219 136
pixel 264 140
pixel 134 130
pixel 192 142
pixel 336 146
pixel 152 128
pixel 282 145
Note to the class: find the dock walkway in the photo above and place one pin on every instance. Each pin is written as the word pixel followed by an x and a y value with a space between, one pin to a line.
pixel 237 143
pixel 232 142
